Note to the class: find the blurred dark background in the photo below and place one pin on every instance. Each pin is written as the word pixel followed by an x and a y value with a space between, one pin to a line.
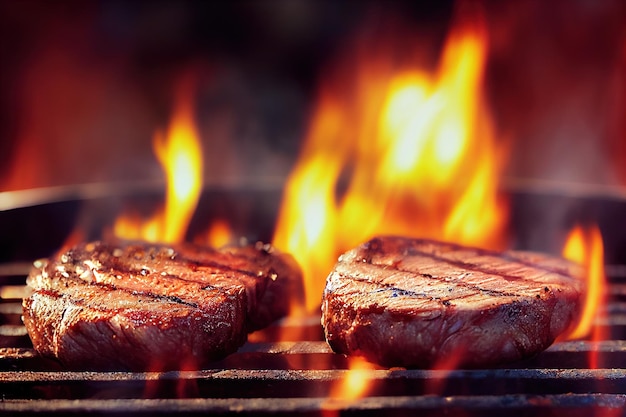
pixel 84 84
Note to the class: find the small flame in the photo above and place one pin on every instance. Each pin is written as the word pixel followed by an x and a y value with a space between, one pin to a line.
pixel 180 154
pixel 218 235
pixel 134 227
pixel 404 152
pixel 586 248
pixel 354 385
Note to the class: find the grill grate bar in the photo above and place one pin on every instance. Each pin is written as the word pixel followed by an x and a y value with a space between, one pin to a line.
pixel 233 383
pixel 573 404
pixel 606 375
pixel 317 355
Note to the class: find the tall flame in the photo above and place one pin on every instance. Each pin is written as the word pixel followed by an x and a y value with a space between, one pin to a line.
pixel 180 155
pixel 586 248
pixel 403 152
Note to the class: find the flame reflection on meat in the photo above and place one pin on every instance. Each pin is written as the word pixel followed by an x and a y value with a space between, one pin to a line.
pixel 394 149
pixel 180 154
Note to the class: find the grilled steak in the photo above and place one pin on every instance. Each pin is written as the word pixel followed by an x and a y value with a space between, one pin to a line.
pixel 421 303
pixel 141 306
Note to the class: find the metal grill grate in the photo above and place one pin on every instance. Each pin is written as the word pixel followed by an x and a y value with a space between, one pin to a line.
pixel 288 369
pixel 296 376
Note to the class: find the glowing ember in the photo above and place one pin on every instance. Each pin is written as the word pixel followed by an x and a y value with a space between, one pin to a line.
pixel 586 248
pixel 180 154
pixel 401 152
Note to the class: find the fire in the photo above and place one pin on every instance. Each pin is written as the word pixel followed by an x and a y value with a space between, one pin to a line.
pixel 402 151
pixel 219 234
pixel 354 385
pixel 586 248
pixel 180 154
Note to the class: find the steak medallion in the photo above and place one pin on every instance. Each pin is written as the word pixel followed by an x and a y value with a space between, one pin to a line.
pixel 144 306
pixel 421 303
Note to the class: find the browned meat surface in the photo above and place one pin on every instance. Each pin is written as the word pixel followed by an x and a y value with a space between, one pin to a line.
pixel 143 306
pixel 420 303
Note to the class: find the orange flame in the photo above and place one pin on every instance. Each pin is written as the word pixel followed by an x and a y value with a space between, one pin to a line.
pixel 586 248
pixel 180 154
pixel 354 385
pixel 405 152
pixel 218 234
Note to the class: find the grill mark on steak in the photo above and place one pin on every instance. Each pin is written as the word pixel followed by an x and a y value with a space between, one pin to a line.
pixel 200 264
pixel 446 301
pixel 178 258
pixel 375 248
pixel 108 287
pixel 171 298
pixel 465 265
pixel 112 285
pixel 390 287
pixel 203 284
pixel 116 264
pixel 194 265
pixel 110 276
